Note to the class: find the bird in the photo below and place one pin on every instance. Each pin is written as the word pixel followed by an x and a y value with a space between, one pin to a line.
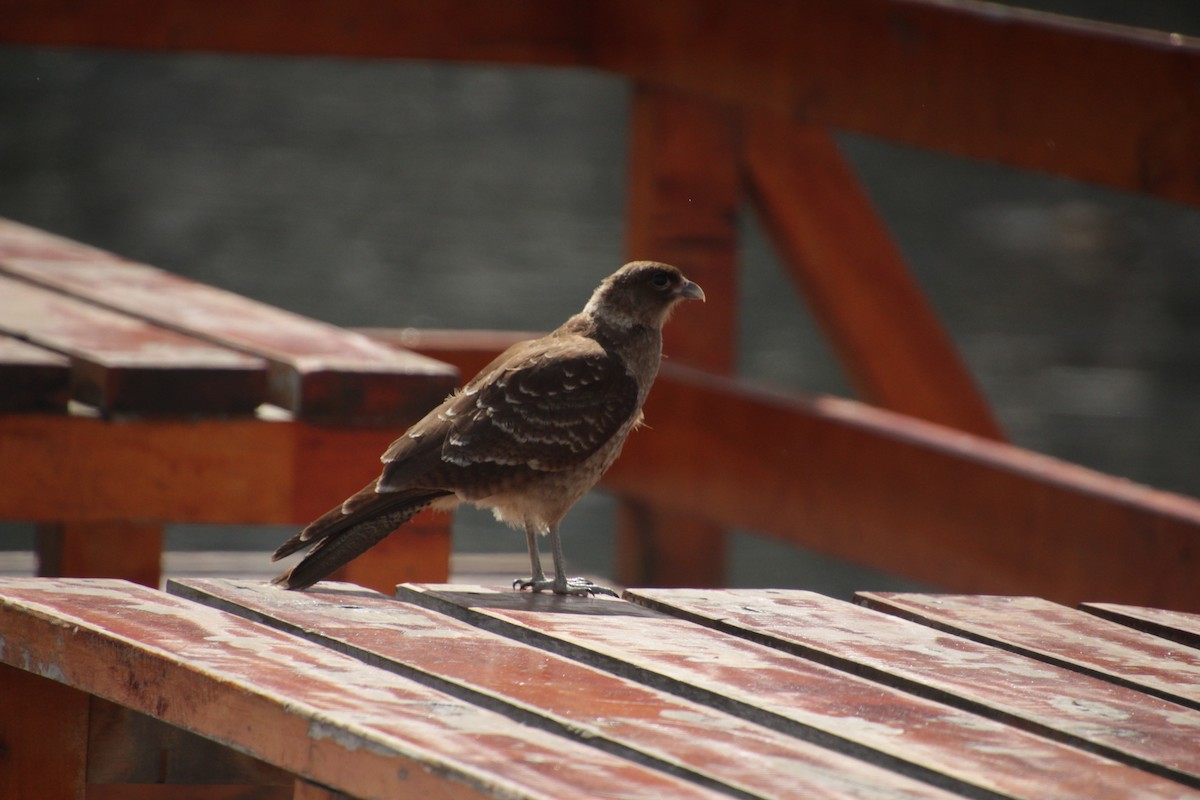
pixel 525 438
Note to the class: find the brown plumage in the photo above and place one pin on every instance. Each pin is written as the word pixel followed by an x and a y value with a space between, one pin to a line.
pixel 526 437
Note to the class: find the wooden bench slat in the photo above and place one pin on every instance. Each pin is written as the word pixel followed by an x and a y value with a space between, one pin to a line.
pixel 1120 723
pixel 24 241
pixel 34 378
pixel 124 365
pixel 1059 635
pixel 303 707
pixel 601 708
pixel 316 369
pixel 906 733
pixel 1178 626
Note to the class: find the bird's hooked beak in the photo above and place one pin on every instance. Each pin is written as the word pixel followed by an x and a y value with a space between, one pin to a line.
pixel 691 291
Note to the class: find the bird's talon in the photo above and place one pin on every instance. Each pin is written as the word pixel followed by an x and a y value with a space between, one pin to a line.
pixel 579 587
pixel 533 584
pixel 584 588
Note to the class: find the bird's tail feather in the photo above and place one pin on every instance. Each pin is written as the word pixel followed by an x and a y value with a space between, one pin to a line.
pixel 328 524
pixel 338 538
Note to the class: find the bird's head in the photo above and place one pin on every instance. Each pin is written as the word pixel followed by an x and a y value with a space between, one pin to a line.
pixel 641 293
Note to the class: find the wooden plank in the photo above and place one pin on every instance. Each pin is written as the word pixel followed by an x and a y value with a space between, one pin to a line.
pixel 573 699
pixel 23 241
pixel 1177 626
pixel 217 471
pixel 235 470
pixel 921 738
pixel 317 713
pixel 1117 722
pixel 43 736
pixel 685 190
pixel 838 251
pixel 1018 87
pixel 520 31
pixel 1058 635
pixel 34 379
pixel 112 549
pixel 973 79
pixel 316 370
pixel 897 494
pixel 123 365
pixel 238 470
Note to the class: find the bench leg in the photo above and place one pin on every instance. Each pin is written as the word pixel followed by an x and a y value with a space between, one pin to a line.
pixel 128 550
pixel 43 737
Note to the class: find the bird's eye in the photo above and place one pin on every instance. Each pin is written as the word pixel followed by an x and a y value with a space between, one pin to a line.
pixel 660 280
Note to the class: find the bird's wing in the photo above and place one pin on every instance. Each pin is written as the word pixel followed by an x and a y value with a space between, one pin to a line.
pixel 546 409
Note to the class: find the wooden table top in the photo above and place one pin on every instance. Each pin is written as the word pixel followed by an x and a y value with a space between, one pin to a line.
pixel 77 323
pixel 471 691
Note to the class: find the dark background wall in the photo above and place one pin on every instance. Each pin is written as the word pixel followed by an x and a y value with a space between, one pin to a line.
pixel 440 195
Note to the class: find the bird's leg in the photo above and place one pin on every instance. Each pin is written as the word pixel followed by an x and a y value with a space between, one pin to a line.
pixel 538 582
pixel 535 557
pixel 560 584
pixel 563 585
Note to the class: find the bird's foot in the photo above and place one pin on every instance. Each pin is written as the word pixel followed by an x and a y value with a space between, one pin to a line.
pixel 581 587
pixel 533 584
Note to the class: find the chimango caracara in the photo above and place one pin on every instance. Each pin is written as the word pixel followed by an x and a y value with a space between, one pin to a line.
pixel 526 438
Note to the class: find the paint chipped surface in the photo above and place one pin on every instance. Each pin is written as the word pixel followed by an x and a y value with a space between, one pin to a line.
pixel 764 682
pixel 268 693
pixel 1058 634
pixel 1126 723
pixel 586 703
pixel 806 728
pixel 1177 626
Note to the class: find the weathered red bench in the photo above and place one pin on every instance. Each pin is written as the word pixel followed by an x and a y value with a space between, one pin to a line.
pixel 234 689
pixel 133 397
